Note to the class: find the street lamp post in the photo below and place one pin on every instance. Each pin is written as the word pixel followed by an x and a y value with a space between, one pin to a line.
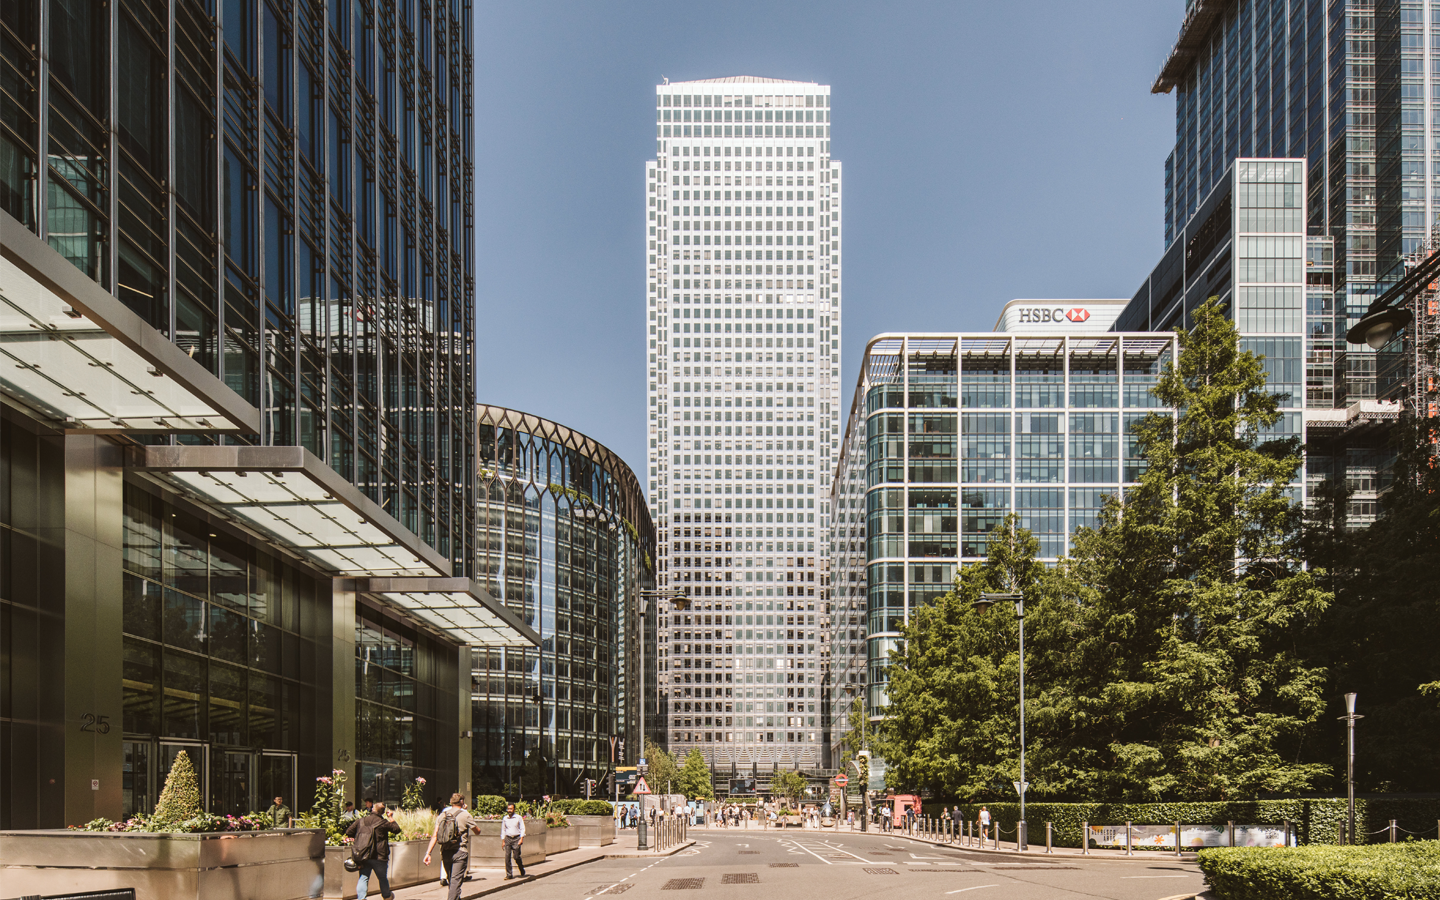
pixel 1350 719
pixel 680 602
pixel 981 605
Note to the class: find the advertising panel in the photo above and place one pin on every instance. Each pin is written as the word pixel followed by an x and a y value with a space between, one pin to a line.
pixel 1191 836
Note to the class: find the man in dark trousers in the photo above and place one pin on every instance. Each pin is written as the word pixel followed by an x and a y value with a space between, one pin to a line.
pixel 372 846
pixel 512 838
pixel 454 853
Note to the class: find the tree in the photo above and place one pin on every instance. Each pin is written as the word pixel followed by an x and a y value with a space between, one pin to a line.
pixel 693 780
pixel 788 784
pixel 1187 678
pixel 180 798
pixel 662 771
pixel 953 722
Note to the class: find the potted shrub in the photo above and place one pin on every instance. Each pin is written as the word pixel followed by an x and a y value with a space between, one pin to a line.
pixel 407 849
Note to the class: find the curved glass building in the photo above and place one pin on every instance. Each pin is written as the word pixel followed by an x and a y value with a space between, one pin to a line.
pixel 565 539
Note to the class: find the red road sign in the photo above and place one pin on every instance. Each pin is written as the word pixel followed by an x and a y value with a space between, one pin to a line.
pixel 842 780
pixel 641 787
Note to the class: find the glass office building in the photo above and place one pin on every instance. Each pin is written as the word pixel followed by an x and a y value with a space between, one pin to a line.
pixel 743 316
pixel 566 542
pixel 237 389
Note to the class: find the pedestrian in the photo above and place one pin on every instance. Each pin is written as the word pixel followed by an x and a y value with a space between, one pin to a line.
pixel 279 813
pixel 984 823
pixel 512 838
pixel 349 813
pixel 452 833
pixel 372 849
pixel 365 806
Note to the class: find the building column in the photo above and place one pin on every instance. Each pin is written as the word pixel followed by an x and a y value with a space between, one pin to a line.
pixel 465 761
pixel 342 686
pixel 93 664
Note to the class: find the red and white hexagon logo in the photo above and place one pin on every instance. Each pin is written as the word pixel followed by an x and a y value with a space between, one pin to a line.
pixel 1077 314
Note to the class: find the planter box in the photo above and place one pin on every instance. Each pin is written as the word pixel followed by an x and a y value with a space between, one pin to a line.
pixel 407 867
pixel 593 831
pixel 284 864
pixel 486 851
pixel 558 840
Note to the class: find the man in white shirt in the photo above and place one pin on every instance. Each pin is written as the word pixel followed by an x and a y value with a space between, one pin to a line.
pixel 512 837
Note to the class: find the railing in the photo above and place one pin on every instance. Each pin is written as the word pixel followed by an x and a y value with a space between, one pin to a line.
pixel 670 831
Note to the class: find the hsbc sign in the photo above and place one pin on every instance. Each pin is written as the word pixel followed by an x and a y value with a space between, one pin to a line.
pixel 1052 315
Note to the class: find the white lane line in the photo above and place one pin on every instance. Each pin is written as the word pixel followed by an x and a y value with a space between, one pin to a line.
pixel 816 855
pixel 975 888
pixel 867 862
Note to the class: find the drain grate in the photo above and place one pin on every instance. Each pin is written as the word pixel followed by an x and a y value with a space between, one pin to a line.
pixel 749 852
pixel 683 884
pixel 740 878
pixel 784 865
pixel 881 871
pixel 617 889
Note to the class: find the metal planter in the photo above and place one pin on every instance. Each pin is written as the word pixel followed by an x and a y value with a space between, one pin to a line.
pixel 407 868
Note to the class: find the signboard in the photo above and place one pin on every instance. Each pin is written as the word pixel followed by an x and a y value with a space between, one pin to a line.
pixel 1163 836
pixel 842 779
pixel 1059 316
pixel 641 787
pixel 742 786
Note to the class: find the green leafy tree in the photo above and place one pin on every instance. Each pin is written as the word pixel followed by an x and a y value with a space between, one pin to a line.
pixel 693 780
pixel 1188 677
pixel 180 798
pixel 953 722
pixel 662 771
pixel 790 785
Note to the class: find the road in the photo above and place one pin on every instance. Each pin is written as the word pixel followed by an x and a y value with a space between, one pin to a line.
pixel 799 865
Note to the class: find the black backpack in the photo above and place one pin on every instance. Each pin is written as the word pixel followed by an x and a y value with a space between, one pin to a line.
pixel 447 834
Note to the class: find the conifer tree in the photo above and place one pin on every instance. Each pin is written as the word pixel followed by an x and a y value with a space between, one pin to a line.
pixel 180 798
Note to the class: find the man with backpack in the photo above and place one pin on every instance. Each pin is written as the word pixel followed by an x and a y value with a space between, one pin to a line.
pixel 452 833
pixel 371 850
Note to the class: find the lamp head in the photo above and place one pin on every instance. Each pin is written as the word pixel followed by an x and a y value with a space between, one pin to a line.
pixel 1376 328
pixel 1350 704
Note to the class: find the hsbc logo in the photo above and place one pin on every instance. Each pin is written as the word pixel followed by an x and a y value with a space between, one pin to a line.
pixel 1050 315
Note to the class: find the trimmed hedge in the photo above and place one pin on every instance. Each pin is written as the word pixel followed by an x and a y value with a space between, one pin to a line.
pixel 583 807
pixel 1315 821
pixel 490 805
pixel 1408 871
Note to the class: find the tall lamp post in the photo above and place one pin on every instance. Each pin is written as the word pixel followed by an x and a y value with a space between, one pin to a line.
pixel 861 775
pixel 1350 719
pixel 981 605
pixel 680 601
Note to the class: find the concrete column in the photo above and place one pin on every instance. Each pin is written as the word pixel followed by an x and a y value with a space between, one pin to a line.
pixel 465 759
pixel 93 664
pixel 342 684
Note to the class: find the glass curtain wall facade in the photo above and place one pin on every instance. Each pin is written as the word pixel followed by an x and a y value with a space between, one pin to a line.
pixel 256 203
pixel 743 306
pixel 949 433
pixel 566 540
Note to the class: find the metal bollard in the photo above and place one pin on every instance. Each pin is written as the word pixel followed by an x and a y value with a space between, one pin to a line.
pixel 1177 840
pixel 1230 832
pixel 1049 834
pixel 1085 838
pixel 1392 831
pixel 1129 844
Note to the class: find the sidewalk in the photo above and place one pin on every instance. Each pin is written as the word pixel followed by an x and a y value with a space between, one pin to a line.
pixel 972 845
pixel 488 881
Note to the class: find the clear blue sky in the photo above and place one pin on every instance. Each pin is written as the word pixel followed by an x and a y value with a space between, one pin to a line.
pixel 991 151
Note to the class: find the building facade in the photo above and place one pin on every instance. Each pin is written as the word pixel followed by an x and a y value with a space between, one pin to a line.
pixel 237 435
pixel 565 541
pixel 743 302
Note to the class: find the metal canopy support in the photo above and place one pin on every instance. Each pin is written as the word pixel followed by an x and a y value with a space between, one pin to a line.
pixel 458 606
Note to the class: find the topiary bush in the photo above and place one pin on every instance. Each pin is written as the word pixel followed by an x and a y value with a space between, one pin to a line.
pixel 490 805
pixel 1407 871
pixel 180 798
pixel 594 808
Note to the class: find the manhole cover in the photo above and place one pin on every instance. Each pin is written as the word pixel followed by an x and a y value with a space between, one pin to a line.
pixel 881 871
pixel 749 852
pixel 881 853
pixel 740 878
pixel 617 889
pixel 784 865
pixel 683 884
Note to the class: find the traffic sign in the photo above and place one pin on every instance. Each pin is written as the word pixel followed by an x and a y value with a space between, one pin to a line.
pixel 641 787
pixel 842 779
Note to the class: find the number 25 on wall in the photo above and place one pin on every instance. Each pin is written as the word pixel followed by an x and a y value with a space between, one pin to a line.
pixel 96 724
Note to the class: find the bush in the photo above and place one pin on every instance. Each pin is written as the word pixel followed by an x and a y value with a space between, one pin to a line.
pixel 180 798
pixel 583 807
pixel 490 805
pixel 1408 871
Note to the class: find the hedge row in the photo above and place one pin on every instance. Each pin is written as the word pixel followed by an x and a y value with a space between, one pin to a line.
pixel 583 807
pixel 494 805
pixel 1314 821
pixel 1408 871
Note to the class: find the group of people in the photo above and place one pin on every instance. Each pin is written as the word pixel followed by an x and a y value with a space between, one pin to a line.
pixel 453 829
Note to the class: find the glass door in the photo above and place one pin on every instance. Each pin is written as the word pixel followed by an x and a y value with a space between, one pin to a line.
pixel 233 783
pixel 137 780
pixel 277 779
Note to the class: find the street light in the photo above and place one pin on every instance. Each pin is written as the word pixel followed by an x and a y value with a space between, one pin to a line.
pixel 981 605
pixel 862 776
pixel 1350 719
pixel 680 601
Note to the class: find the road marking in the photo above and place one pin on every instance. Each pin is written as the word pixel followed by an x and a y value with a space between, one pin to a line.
pixel 975 888
pixel 816 855
pixel 1123 877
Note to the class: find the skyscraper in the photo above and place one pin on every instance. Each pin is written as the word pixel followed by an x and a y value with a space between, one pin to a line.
pixel 743 313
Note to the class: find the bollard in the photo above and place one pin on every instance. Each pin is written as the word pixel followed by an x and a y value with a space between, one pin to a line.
pixel 1286 826
pixel 1049 833
pixel 1021 838
pixel 1177 840
pixel 1342 834
pixel 1129 843
pixel 1229 832
pixel 1085 838
pixel 1392 831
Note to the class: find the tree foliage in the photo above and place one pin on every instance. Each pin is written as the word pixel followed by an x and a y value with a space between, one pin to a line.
pixel 789 784
pixel 1164 660
pixel 693 780
pixel 662 772
pixel 180 798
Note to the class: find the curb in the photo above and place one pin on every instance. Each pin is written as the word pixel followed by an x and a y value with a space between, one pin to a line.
pixel 1071 853
pixel 517 882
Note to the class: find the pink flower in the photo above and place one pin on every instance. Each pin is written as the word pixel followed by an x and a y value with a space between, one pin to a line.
pixel 420 780
pixel 324 780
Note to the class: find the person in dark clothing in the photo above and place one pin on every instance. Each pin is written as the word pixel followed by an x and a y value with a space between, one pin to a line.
pixel 373 831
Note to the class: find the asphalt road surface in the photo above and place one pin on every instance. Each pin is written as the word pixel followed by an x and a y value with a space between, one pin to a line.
pixel 800 865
